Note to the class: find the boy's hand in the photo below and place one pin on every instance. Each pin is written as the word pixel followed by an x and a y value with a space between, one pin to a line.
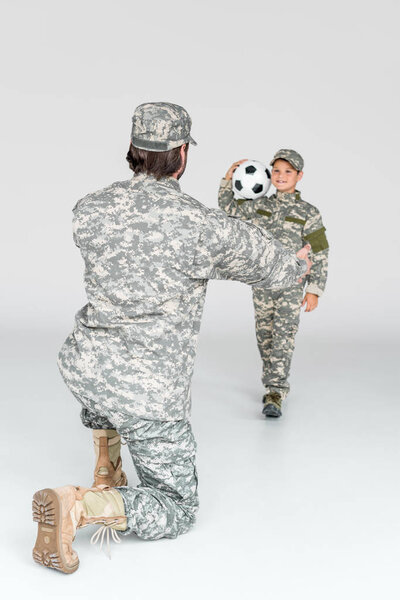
pixel 310 301
pixel 235 165
pixel 303 255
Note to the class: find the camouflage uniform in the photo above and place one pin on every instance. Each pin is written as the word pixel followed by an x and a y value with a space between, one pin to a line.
pixel 149 250
pixel 164 453
pixel 293 222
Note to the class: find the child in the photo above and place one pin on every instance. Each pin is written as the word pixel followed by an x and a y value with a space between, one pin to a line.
pixel 293 222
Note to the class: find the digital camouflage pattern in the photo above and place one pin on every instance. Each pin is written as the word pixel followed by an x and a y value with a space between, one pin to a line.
pixel 290 220
pixel 149 250
pixel 165 502
pixel 277 320
pixel 160 126
pixel 291 156
pixel 293 222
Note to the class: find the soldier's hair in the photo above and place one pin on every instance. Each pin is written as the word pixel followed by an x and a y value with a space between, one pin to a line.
pixel 158 164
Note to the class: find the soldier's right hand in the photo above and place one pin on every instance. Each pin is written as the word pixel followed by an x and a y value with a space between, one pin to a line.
pixel 231 169
pixel 303 255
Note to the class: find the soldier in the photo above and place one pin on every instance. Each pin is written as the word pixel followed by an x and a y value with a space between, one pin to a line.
pixel 149 250
pixel 277 312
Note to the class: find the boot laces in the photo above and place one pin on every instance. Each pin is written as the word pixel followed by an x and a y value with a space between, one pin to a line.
pixel 102 533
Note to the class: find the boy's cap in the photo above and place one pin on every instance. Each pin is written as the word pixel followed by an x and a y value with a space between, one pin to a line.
pixel 160 126
pixel 291 156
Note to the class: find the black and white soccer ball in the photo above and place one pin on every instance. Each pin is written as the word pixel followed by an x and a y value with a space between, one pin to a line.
pixel 251 180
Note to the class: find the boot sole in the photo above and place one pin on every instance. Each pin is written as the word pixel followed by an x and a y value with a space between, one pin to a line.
pixel 46 511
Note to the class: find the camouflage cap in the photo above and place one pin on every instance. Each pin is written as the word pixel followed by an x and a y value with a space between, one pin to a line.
pixel 291 156
pixel 160 126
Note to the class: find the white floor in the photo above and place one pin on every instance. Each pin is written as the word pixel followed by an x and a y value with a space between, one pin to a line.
pixel 302 507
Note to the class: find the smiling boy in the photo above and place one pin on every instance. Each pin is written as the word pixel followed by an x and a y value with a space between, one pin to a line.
pixel 294 223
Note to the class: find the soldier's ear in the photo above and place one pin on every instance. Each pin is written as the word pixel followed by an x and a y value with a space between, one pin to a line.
pixel 299 175
pixel 183 152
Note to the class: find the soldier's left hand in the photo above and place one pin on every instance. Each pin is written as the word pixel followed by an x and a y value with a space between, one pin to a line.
pixel 310 301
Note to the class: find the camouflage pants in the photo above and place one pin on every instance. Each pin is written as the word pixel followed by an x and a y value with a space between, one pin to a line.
pixel 277 314
pixel 163 452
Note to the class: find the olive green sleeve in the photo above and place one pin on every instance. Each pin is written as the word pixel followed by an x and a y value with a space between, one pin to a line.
pixel 234 208
pixel 314 234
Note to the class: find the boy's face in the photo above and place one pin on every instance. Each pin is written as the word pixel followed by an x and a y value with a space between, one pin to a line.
pixel 285 177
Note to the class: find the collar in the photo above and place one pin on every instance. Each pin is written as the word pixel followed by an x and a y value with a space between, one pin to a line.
pixel 286 197
pixel 169 182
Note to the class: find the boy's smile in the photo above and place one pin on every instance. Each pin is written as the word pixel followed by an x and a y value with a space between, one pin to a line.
pixel 285 177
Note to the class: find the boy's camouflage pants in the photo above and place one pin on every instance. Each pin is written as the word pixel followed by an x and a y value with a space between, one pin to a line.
pixel 277 314
pixel 163 452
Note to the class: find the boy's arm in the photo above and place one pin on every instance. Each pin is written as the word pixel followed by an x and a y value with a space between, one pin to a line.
pixel 314 234
pixel 234 208
pixel 229 248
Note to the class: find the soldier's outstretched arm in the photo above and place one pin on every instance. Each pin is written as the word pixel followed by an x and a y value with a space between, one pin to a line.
pixel 229 248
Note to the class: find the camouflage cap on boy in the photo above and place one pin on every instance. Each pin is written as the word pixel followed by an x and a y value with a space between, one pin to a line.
pixel 160 126
pixel 291 156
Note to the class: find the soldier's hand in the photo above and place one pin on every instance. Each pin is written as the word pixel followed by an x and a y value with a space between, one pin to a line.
pixel 231 169
pixel 303 255
pixel 310 301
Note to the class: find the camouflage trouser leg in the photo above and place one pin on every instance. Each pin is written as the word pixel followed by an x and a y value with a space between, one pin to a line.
pixel 163 452
pixel 95 420
pixel 277 315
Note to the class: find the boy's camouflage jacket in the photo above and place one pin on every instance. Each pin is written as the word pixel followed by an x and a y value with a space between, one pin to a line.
pixel 291 220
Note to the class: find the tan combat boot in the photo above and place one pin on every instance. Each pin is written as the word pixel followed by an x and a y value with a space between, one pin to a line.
pixel 108 470
pixel 61 511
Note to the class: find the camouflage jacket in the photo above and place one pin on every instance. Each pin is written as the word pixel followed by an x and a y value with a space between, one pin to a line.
pixel 289 219
pixel 149 250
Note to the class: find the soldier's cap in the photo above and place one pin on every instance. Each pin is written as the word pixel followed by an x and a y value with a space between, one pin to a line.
pixel 160 126
pixel 291 156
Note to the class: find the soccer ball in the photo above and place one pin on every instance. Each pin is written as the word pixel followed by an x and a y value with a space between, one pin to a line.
pixel 251 180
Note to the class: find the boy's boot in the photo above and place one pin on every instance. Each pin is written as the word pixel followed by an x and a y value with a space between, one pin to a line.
pixel 272 405
pixel 108 470
pixel 61 511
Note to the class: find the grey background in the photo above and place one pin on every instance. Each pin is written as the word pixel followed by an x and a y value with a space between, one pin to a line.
pixel 306 506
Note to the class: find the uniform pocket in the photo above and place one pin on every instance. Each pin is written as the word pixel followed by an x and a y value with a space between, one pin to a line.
pixel 264 213
pixel 318 240
pixel 293 226
pixel 295 220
